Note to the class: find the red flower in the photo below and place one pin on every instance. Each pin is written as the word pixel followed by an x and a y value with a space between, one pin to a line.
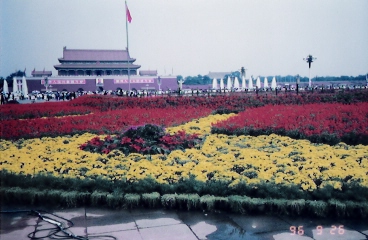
pixel 83 146
pixel 125 140
pixel 105 150
pixel 136 147
pixel 139 140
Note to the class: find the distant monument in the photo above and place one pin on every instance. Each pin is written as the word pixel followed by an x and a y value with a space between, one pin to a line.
pixel 88 62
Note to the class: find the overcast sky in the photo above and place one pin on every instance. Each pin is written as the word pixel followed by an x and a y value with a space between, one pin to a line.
pixel 191 37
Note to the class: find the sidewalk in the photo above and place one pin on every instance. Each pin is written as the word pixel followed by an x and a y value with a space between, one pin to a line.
pixel 144 224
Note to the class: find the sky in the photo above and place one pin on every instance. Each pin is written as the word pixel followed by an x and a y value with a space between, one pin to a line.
pixel 191 37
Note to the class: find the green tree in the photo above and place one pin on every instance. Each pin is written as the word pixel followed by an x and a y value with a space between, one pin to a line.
pixel 15 74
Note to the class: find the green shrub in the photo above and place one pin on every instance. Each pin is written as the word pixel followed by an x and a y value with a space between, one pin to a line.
pixel 222 203
pixel 13 195
pixel 296 207
pixel 277 206
pixel 98 198
pixel 207 202
pixel 132 200
pixel 356 209
pixel 317 208
pixel 115 200
pixel 236 204
pixel 337 208
pixel 169 201
pixel 244 204
pixel 69 199
pixel 151 200
pixel 53 197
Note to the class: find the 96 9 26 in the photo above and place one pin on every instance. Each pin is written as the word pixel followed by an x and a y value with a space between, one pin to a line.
pixel 334 230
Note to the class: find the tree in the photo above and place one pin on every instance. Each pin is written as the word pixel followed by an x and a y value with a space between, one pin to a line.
pixel 15 74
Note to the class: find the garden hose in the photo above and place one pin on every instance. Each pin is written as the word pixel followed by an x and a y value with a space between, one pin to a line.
pixel 59 231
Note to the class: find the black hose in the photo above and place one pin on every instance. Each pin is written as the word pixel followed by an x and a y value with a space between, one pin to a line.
pixel 56 232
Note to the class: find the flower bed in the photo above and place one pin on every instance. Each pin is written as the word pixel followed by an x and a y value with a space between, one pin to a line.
pixel 320 123
pixel 263 166
pixel 233 102
pixel 39 110
pixel 110 122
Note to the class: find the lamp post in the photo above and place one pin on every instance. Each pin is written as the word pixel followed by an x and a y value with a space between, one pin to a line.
pixel 46 83
pixel 309 59
pixel 159 83
pixel 180 83
pixel 297 84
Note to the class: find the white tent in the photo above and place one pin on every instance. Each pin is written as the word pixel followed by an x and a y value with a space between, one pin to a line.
pixel 273 83
pixel 214 83
pixel 24 86
pixel 229 85
pixel 236 83
pixel 15 85
pixel 250 86
pixel 222 84
pixel 258 83
pixel 5 87
pixel 243 83
pixel 265 83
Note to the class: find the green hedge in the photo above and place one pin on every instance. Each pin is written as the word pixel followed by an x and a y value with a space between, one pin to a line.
pixel 350 191
pixel 233 203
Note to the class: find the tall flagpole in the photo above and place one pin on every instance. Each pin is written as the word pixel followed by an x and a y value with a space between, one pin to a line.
pixel 126 28
pixel 126 24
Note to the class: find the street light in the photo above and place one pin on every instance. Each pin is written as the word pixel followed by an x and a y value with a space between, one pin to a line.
pixel 297 84
pixel 159 83
pixel 309 59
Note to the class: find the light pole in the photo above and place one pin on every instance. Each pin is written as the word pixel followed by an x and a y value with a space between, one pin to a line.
pixel 309 59
pixel 297 84
pixel 159 83
pixel 180 84
pixel 46 84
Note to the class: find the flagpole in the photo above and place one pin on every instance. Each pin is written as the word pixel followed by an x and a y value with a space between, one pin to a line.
pixel 126 28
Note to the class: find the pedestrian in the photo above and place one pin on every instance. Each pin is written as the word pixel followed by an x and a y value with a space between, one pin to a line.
pixel 2 99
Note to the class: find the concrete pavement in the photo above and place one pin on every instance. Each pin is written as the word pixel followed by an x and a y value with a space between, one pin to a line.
pixel 145 224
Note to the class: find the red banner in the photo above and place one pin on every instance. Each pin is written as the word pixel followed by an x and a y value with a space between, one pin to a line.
pixel 119 81
pixel 64 81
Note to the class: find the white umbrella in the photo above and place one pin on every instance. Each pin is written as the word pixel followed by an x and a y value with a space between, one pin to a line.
pixel 265 83
pixel 273 83
pixel 221 83
pixel 5 87
pixel 15 85
pixel 214 83
pixel 236 83
pixel 243 83
pixel 250 83
pixel 229 85
pixel 258 83
pixel 24 86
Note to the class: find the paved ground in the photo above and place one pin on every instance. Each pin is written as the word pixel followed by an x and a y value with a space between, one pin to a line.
pixel 144 224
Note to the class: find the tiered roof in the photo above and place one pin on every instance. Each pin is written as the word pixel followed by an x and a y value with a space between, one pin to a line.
pixel 43 73
pixel 96 59
pixel 71 55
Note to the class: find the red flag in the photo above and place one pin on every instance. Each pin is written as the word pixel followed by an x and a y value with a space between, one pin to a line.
pixel 129 17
